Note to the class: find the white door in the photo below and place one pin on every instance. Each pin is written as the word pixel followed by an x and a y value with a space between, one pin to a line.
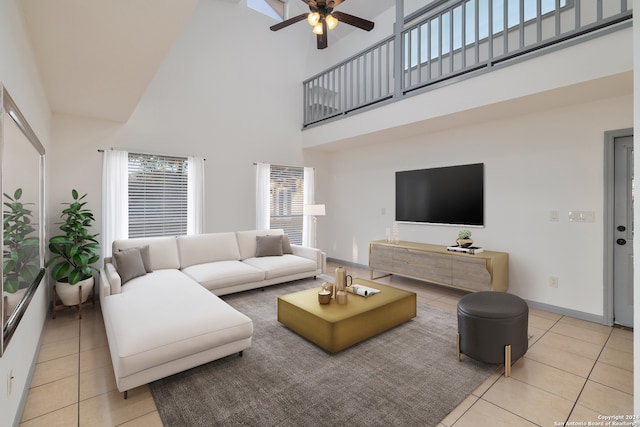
pixel 623 232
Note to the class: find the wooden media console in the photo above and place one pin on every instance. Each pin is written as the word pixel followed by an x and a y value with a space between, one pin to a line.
pixel 486 271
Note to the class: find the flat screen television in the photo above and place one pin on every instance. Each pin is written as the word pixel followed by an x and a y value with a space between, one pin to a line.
pixel 451 195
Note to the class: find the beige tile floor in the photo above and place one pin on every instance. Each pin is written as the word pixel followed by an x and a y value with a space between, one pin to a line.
pixel 573 371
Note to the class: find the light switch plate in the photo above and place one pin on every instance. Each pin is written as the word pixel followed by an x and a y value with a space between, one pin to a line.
pixel 582 216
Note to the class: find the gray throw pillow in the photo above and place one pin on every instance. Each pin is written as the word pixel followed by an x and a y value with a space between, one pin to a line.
pixel 268 246
pixel 146 257
pixel 286 245
pixel 129 264
pixel 144 253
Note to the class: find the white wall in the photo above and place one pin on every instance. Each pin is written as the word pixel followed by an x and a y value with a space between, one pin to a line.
pixel 210 98
pixel 538 125
pixel 534 163
pixel 229 90
pixel 19 76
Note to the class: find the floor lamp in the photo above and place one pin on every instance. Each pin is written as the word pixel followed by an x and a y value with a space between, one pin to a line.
pixel 315 211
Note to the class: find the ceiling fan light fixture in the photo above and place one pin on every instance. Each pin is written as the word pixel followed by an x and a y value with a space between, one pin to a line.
pixel 317 29
pixel 332 21
pixel 322 19
pixel 313 18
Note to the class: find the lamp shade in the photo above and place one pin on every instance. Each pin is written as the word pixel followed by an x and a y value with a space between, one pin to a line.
pixel 317 29
pixel 332 21
pixel 313 18
pixel 314 210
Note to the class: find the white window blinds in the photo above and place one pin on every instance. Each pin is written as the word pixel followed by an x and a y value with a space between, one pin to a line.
pixel 286 200
pixel 157 195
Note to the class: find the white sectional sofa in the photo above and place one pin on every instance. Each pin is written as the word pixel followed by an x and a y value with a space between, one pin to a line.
pixel 160 304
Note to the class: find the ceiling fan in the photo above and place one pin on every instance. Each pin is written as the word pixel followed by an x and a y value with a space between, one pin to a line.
pixel 323 18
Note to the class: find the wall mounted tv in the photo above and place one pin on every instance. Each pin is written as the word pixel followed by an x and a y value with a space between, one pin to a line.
pixel 451 195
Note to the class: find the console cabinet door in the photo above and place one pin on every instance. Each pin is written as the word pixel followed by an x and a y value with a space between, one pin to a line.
pixel 428 266
pixel 381 258
pixel 471 273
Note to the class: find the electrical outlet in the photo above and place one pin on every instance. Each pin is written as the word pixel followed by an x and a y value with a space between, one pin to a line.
pixel 553 282
pixel 9 383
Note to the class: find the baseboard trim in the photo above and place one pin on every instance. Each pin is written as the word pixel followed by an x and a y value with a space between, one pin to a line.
pixel 589 317
pixel 348 263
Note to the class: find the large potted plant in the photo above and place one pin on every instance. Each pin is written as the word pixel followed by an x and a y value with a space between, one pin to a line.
pixel 20 255
pixel 74 252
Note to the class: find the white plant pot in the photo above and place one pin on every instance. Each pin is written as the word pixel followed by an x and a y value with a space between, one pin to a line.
pixel 68 294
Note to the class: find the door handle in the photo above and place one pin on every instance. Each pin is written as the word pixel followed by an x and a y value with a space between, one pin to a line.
pixel 621 242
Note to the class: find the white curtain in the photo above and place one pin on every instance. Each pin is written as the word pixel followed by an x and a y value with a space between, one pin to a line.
pixel 263 179
pixel 308 232
pixel 115 198
pixel 195 196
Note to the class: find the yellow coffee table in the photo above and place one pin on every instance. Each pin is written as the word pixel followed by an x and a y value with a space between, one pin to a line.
pixel 335 327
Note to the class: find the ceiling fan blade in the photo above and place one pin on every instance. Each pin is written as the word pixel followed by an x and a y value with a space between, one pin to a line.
pixel 288 22
pixel 354 20
pixel 322 42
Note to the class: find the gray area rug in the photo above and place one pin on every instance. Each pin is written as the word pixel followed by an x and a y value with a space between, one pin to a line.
pixel 407 376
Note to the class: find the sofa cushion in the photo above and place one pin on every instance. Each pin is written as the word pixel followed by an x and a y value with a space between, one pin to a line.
pixel 150 279
pixel 205 322
pixel 247 240
pixel 221 274
pixel 163 251
pixel 268 246
pixel 278 266
pixel 205 248
pixel 129 265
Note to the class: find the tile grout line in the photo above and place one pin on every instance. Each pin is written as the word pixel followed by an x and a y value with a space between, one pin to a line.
pixel 480 397
pixel 515 379
pixel 588 375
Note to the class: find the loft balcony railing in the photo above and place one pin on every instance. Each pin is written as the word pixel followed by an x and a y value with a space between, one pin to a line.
pixel 449 39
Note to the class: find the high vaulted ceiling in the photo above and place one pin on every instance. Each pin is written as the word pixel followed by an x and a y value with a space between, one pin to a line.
pixel 97 57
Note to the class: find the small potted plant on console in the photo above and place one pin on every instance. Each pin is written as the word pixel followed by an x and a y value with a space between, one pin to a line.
pixel 464 239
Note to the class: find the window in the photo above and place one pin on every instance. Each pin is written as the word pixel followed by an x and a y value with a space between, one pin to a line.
pixel 272 8
pixel 286 200
pixel 281 194
pixel 157 195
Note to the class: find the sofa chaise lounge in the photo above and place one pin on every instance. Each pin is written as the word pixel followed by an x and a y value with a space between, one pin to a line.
pixel 160 303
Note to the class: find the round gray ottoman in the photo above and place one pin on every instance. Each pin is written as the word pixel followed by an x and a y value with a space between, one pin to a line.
pixel 493 327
